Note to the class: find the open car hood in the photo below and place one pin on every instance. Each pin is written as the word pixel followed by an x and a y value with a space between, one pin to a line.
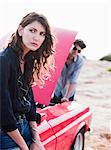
pixel 65 38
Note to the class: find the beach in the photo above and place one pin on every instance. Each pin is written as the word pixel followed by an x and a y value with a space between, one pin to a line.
pixel 94 90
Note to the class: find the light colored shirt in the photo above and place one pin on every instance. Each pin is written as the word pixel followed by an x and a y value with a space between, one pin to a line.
pixel 69 75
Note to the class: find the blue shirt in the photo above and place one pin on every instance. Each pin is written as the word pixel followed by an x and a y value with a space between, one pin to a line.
pixel 69 75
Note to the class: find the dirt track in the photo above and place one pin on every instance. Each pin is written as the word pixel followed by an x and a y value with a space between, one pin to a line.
pixel 94 90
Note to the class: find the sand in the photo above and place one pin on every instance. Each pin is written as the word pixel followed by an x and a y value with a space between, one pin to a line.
pixel 94 90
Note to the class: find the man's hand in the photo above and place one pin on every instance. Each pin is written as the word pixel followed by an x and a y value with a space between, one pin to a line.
pixel 64 99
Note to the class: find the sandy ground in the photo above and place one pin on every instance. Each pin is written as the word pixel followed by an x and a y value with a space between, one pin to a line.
pixel 94 90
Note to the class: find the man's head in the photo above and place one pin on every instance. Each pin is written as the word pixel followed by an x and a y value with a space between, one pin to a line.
pixel 79 45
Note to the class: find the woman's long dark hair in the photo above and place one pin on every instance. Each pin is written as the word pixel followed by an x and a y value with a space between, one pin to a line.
pixel 40 55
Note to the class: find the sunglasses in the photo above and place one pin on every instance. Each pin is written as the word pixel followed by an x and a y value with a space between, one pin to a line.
pixel 75 49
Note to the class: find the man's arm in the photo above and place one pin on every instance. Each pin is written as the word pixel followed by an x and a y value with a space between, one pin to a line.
pixel 68 92
pixel 73 79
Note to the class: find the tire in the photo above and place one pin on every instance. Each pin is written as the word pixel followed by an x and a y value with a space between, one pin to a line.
pixel 78 143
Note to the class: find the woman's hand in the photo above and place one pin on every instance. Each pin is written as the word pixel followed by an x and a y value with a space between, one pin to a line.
pixel 37 146
pixel 25 147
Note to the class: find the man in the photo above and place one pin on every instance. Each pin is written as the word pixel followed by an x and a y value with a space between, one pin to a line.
pixel 66 84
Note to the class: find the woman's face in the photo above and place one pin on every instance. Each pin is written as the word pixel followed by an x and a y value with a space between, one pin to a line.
pixel 33 35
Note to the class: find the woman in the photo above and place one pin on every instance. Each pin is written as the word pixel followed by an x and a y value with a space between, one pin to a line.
pixel 22 63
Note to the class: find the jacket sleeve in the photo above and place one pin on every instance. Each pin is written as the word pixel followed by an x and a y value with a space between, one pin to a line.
pixel 31 115
pixel 8 122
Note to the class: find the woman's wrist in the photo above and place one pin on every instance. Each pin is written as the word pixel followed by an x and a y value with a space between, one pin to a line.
pixel 34 129
pixel 35 140
pixel 35 134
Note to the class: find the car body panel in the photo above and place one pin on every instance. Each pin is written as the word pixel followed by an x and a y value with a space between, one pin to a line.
pixel 66 120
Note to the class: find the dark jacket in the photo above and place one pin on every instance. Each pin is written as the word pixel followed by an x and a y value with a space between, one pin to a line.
pixel 10 72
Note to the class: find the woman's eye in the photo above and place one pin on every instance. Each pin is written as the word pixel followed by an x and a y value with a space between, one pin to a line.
pixel 35 31
pixel 32 30
pixel 42 33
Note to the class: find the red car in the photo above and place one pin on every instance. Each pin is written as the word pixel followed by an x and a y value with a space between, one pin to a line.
pixel 64 125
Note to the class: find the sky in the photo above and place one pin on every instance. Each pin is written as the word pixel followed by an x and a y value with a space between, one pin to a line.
pixel 90 18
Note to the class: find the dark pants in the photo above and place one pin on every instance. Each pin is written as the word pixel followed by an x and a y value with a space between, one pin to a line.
pixel 57 100
pixel 6 142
